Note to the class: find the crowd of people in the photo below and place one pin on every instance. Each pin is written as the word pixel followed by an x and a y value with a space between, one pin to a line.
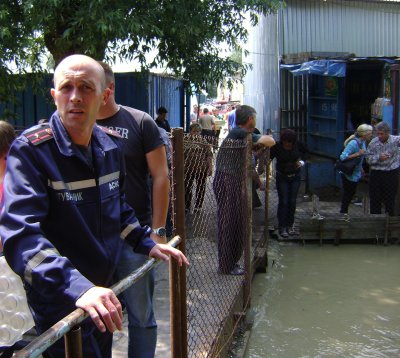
pixel 87 198
pixel 380 150
pixel 374 153
pixel 212 120
pixel 370 152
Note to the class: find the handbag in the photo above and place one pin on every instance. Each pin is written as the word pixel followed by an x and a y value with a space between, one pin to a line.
pixel 347 166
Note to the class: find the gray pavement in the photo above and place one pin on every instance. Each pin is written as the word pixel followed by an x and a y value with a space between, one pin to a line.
pixel 161 307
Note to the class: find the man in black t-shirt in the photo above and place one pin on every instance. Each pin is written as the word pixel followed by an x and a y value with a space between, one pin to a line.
pixel 144 154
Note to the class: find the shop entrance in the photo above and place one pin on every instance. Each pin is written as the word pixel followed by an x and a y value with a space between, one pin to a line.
pixel 363 85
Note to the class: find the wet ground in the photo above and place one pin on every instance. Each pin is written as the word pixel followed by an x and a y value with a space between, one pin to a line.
pixel 327 301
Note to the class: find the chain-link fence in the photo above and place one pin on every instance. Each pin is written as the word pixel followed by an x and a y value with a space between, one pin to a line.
pixel 214 200
pixel 359 207
pixel 220 245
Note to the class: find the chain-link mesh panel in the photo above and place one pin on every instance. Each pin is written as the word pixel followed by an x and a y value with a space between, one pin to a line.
pixel 170 223
pixel 344 210
pixel 261 208
pixel 216 222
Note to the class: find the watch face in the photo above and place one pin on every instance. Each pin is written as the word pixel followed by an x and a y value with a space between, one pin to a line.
pixel 161 231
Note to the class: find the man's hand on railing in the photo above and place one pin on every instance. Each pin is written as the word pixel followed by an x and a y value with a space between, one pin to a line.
pixel 103 307
pixel 163 251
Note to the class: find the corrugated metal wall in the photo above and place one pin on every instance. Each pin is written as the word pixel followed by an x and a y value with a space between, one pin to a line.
pixel 131 90
pixel 261 84
pixel 365 28
pixel 146 93
pixel 169 93
pixel 359 27
pixel 29 107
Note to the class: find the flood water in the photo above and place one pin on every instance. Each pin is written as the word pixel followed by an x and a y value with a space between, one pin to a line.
pixel 329 301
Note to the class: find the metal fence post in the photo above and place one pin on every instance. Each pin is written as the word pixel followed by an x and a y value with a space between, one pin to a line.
pixel 249 210
pixel 73 343
pixel 266 193
pixel 179 341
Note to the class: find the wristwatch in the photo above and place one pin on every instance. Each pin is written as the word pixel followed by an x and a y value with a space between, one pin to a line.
pixel 160 231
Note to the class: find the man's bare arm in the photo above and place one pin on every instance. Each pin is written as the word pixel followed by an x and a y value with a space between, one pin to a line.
pixel 158 168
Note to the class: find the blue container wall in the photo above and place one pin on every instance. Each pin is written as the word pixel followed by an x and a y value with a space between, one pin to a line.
pixel 326 115
pixel 131 89
pixel 320 173
pixel 325 125
pixel 144 92
pixel 29 107
pixel 168 93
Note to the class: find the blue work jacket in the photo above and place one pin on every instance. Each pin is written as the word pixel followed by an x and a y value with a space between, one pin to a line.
pixel 64 219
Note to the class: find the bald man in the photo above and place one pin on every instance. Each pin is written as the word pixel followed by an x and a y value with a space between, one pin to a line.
pixel 65 211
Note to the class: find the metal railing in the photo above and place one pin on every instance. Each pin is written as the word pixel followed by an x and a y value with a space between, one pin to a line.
pixel 64 326
pixel 215 300
pixel 206 305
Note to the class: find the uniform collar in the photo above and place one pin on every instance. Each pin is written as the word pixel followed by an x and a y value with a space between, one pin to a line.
pixel 64 143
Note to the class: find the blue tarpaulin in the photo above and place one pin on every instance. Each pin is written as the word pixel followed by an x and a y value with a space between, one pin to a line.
pixel 336 68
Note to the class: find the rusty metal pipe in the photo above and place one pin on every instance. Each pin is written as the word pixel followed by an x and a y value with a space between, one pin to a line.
pixel 73 343
pixel 57 331
pixel 179 348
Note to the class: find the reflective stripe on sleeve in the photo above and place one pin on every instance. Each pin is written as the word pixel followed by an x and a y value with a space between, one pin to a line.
pixel 74 185
pixel 83 184
pixel 36 261
pixel 128 230
pixel 108 178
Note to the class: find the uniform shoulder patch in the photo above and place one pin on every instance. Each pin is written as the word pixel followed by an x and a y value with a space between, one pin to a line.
pixel 110 131
pixel 39 134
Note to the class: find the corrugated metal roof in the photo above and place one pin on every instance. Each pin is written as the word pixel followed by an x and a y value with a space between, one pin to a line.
pixel 364 28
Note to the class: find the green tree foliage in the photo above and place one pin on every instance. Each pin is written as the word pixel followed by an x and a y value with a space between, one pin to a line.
pixel 184 34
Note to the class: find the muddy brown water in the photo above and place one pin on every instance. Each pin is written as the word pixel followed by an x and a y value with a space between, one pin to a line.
pixel 327 301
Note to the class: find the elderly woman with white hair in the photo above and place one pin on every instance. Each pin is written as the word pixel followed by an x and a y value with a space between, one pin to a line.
pixel 354 147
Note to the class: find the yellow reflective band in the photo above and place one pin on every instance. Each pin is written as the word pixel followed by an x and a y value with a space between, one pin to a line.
pixel 74 185
pixel 36 261
pixel 82 184
pixel 108 178
pixel 128 230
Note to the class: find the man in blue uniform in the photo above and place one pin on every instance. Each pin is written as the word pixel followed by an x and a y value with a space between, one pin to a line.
pixel 65 217
pixel 145 154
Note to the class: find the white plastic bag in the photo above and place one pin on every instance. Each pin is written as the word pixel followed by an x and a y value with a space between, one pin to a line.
pixel 15 316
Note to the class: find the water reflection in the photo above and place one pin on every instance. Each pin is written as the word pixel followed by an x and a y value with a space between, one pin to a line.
pixel 327 301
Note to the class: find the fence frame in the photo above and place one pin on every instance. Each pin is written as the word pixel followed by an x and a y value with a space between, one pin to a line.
pixel 253 261
pixel 62 327
pixel 178 306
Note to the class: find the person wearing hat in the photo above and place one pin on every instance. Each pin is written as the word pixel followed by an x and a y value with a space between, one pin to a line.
pixel 354 147
pixel 161 119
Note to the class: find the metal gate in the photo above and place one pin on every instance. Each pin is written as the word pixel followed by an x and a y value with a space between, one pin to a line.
pixel 294 98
